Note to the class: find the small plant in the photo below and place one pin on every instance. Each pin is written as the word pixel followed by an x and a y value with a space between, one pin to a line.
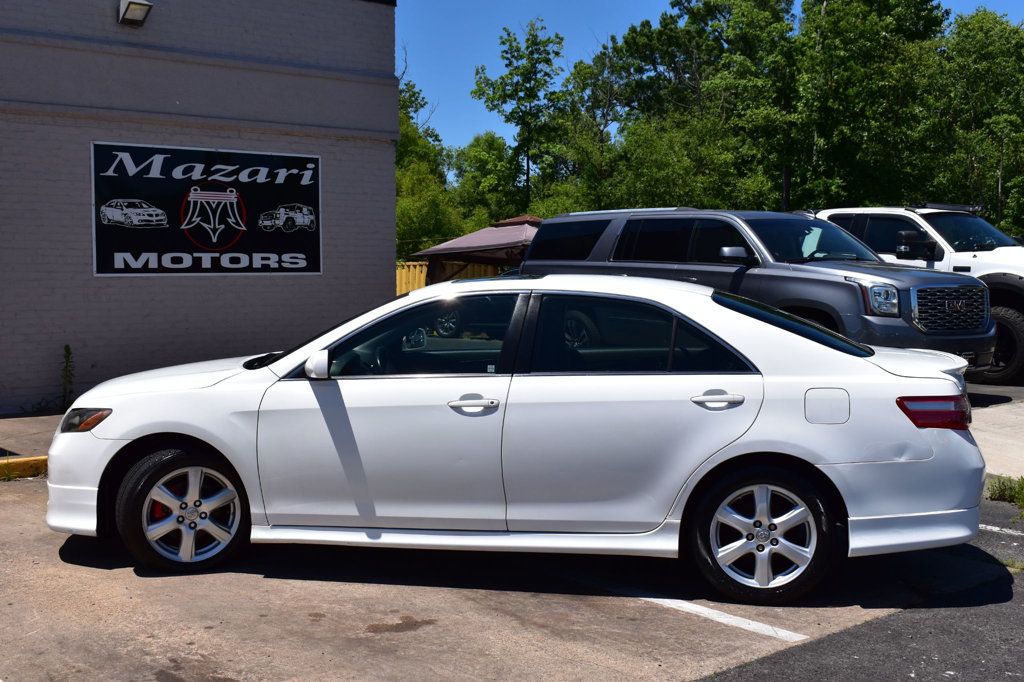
pixel 67 378
pixel 1007 489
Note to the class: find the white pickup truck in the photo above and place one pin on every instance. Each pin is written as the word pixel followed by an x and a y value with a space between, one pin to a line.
pixel 953 238
pixel 289 217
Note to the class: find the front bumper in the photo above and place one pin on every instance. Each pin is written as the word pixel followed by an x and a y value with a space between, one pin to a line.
pixel 895 332
pixel 74 466
pixel 899 506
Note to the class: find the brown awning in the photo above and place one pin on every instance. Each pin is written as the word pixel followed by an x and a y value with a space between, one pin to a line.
pixel 504 244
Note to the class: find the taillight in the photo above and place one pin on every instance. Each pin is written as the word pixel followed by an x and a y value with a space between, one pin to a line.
pixel 937 412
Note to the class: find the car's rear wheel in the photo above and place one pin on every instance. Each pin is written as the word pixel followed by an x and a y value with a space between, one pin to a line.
pixel 762 535
pixel 1008 359
pixel 181 511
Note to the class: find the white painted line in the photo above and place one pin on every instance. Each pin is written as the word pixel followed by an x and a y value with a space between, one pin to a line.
pixel 1004 531
pixel 702 611
pixel 727 618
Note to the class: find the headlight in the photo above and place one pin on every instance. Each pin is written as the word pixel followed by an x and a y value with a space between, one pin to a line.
pixel 83 419
pixel 879 299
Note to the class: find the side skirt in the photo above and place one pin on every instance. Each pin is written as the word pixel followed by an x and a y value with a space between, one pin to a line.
pixel 663 541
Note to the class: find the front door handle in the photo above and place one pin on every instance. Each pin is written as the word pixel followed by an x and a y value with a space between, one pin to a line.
pixel 720 399
pixel 479 402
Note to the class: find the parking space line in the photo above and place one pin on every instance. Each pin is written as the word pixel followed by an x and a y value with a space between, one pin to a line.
pixel 1004 531
pixel 703 612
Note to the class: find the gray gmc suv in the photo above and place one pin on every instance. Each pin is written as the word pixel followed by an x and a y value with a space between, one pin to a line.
pixel 801 264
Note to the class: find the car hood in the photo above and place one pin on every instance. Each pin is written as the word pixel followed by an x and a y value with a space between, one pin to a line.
pixel 901 275
pixel 176 378
pixel 919 363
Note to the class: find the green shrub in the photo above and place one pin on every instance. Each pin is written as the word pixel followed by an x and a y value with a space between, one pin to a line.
pixel 1007 489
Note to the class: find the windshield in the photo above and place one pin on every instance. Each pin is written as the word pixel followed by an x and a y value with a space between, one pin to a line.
pixel 791 323
pixel 967 232
pixel 791 240
pixel 136 204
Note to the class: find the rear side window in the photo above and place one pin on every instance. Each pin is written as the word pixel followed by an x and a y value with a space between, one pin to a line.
pixel 570 240
pixel 792 323
pixel 843 220
pixel 593 335
pixel 664 240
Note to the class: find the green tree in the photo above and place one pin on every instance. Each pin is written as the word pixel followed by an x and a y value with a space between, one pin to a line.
pixel 486 173
pixel 522 94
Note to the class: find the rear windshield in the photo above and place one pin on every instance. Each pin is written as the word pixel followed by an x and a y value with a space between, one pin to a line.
pixel 570 240
pixel 792 323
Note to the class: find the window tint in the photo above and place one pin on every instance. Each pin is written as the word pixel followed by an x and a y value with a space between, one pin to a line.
pixel 966 232
pixel 585 334
pixel 881 232
pixel 843 220
pixel 572 240
pixel 797 240
pixel 792 323
pixel 710 236
pixel 663 240
pixel 464 335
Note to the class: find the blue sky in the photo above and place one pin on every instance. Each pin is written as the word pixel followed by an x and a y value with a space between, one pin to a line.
pixel 446 39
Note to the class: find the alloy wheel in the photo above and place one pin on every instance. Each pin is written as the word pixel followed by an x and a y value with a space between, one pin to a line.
pixel 763 536
pixel 191 514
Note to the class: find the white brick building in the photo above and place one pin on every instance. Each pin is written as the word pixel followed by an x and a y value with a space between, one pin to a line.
pixel 312 78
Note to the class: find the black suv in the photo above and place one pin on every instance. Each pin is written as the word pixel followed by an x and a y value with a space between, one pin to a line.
pixel 796 262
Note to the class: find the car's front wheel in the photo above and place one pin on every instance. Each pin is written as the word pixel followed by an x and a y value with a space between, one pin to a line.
pixel 1008 358
pixel 181 511
pixel 762 535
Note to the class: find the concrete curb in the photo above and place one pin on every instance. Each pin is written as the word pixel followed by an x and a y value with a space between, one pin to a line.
pixel 22 467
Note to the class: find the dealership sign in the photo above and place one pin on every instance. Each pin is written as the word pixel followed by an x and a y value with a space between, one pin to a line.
pixel 172 210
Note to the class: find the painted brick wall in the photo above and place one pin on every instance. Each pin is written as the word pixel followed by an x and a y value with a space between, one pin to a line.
pixel 341 105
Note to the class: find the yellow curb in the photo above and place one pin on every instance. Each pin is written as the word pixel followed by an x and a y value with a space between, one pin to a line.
pixel 22 467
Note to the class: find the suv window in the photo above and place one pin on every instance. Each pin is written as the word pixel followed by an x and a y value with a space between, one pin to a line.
pixel 664 240
pixel 792 323
pixel 843 220
pixel 710 236
pixel 463 335
pixel 592 334
pixel 881 231
pixel 967 232
pixel 569 240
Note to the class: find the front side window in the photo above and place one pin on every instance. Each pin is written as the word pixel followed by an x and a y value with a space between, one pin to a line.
pixel 569 240
pixel 792 324
pixel 463 335
pixel 796 240
pixel 710 236
pixel 968 232
pixel 590 335
pixel 655 240
pixel 882 232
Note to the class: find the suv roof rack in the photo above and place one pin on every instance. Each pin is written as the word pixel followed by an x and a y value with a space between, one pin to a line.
pixel 966 208
pixel 631 210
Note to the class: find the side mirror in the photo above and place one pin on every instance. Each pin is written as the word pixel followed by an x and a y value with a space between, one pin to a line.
pixel 910 246
pixel 318 366
pixel 736 254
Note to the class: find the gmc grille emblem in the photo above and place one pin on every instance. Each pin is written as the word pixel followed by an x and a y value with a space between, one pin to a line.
pixel 957 306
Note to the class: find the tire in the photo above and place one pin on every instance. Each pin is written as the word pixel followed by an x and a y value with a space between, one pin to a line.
pixel 1008 359
pixel 449 324
pixel 311 226
pixel 289 225
pixel 737 575
pixel 104 219
pixel 579 330
pixel 173 469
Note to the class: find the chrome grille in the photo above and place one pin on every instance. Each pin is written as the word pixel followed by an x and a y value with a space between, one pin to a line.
pixel 951 309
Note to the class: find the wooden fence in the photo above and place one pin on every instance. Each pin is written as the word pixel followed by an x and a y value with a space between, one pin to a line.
pixel 413 274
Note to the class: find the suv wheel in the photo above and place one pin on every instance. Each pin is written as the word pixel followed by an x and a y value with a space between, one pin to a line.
pixel 1008 359
pixel 181 512
pixel 289 225
pixel 762 535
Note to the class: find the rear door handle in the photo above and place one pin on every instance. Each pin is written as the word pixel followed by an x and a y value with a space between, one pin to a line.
pixel 720 399
pixel 479 402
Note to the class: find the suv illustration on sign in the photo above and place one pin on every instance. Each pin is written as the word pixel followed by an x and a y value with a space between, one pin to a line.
pixel 953 238
pixel 132 213
pixel 795 262
pixel 289 217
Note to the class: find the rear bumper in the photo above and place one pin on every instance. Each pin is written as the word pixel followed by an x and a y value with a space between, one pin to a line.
pixel 904 533
pixel 976 348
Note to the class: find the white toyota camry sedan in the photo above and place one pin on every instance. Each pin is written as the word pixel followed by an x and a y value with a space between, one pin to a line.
pixel 586 414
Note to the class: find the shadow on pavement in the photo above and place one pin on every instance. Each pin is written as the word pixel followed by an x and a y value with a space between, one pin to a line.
pixel 961 576
pixel 980 400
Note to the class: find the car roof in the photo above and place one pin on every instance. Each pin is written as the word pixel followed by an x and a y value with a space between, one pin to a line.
pixel 642 287
pixel 891 209
pixel 743 215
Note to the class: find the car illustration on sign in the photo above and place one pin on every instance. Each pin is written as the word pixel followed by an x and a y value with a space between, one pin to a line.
pixel 289 217
pixel 132 213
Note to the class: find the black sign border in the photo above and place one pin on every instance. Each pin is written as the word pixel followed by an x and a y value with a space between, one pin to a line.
pixel 270 273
